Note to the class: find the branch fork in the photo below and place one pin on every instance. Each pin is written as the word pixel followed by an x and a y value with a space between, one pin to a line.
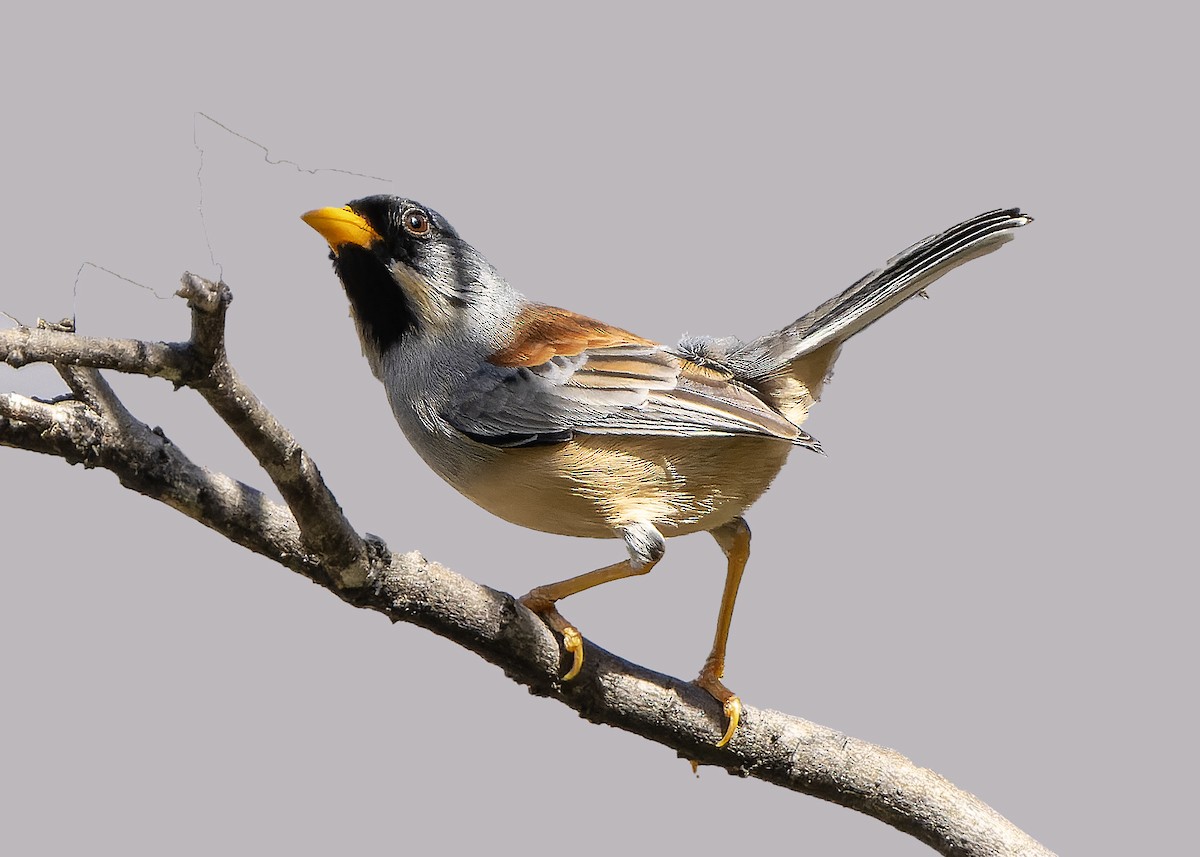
pixel 311 536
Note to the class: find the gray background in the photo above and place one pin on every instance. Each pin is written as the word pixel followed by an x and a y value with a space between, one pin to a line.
pixel 988 572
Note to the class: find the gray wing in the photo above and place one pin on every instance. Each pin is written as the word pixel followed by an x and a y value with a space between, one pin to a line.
pixel 621 390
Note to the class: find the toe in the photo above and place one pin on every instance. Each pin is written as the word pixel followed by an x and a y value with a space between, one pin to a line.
pixel 573 643
pixel 733 711
pixel 730 703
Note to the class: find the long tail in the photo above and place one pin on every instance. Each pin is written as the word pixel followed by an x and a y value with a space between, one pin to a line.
pixel 879 292
pixel 790 366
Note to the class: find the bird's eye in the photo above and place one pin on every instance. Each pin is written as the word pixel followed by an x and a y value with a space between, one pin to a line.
pixel 416 222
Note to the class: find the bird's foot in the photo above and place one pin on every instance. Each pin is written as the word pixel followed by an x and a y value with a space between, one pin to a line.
pixel 572 639
pixel 710 680
pixel 573 643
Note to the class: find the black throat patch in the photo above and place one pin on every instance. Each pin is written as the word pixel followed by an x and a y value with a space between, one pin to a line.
pixel 376 299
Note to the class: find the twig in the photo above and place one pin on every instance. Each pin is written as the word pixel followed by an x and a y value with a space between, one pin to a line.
pixel 325 528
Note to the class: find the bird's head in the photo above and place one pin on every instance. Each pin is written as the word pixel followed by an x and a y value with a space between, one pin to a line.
pixel 408 275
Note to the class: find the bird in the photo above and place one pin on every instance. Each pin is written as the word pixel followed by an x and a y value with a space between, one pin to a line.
pixel 564 424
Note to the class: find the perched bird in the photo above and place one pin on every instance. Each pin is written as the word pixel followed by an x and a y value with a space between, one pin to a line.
pixel 565 424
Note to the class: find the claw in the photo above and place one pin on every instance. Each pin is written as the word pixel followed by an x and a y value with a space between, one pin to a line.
pixel 572 639
pixel 733 710
pixel 573 643
pixel 709 679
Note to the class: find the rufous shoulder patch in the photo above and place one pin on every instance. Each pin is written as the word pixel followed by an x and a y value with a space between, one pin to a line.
pixel 542 332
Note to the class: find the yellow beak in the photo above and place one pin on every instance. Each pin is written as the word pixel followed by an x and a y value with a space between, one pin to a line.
pixel 341 226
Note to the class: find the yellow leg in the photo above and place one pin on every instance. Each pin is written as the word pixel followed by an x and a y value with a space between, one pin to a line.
pixel 734 539
pixel 542 600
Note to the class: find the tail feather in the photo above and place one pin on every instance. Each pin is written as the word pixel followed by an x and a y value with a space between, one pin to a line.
pixel 790 366
pixel 904 276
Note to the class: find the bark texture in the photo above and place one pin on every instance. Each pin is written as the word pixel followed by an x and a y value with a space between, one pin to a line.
pixel 312 537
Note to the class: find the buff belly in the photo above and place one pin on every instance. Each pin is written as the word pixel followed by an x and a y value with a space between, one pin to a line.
pixel 593 484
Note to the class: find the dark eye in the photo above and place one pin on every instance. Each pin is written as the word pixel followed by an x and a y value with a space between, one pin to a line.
pixel 416 222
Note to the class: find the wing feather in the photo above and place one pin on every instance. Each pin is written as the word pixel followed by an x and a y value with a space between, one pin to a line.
pixel 624 389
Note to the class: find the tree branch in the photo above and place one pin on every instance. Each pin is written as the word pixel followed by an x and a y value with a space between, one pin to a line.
pixel 312 537
pixel 326 531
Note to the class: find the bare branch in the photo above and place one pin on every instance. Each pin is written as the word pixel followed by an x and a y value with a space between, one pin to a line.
pixel 202 365
pixel 42 415
pixel 101 432
pixel 93 427
pixel 295 474
pixel 769 745
pixel 67 429
pixel 22 345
